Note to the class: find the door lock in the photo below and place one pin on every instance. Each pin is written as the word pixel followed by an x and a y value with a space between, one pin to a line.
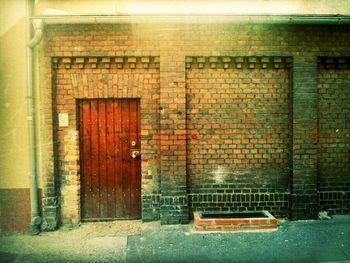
pixel 134 154
pixel 133 143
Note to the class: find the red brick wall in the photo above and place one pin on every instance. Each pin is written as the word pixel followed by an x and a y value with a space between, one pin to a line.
pixel 172 97
pixel 238 122
pixel 334 135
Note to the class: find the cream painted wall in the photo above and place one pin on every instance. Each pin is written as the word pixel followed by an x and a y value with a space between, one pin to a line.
pixel 60 7
pixel 13 125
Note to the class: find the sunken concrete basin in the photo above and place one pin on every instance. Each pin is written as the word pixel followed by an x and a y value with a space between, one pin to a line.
pixel 234 221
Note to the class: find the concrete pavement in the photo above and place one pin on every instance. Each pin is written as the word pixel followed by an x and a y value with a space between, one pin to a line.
pixel 297 241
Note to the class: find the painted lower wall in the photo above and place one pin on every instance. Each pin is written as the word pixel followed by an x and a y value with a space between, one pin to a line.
pixel 15 210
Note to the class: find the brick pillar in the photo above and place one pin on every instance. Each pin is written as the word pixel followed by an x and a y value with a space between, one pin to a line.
pixel 174 205
pixel 304 203
pixel 49 206
pixel 50 202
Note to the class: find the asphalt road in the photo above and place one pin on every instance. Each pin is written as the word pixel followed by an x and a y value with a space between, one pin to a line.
pixel 302 241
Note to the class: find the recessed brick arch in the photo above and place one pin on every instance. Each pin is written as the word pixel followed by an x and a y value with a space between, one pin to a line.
pixel 103 77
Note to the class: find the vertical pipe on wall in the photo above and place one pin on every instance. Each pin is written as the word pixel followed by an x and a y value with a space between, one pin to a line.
pixel 33 178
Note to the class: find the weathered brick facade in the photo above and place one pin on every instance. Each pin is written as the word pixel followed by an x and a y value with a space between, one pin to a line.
pixel 233 116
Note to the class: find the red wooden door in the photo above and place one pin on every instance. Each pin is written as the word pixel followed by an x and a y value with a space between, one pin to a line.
pixel 110 163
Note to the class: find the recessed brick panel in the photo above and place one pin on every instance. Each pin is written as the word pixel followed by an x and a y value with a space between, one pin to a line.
pixel 238 125
pixel 333 83
pixel 94 80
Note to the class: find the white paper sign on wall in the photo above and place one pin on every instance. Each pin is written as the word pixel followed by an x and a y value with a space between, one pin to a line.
pixel 63 120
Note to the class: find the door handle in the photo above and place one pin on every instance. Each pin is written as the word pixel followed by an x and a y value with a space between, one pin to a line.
pixel 134 154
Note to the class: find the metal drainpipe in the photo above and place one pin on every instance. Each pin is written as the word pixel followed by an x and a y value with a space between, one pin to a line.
pixel 252 19
pixel 33 178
